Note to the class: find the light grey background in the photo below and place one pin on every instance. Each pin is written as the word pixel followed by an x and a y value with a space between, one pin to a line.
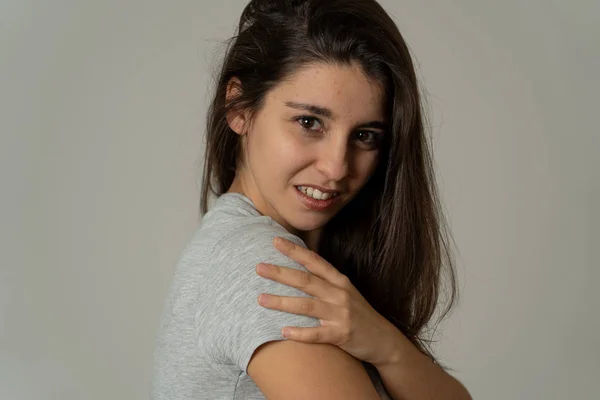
pixel 102 109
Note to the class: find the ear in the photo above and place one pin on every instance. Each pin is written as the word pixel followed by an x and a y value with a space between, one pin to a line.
pixel 236 119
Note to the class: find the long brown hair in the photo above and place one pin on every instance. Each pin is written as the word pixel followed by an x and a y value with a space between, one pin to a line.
pixel 391 239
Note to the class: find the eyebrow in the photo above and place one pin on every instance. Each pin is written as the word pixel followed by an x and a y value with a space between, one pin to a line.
pixel 325 112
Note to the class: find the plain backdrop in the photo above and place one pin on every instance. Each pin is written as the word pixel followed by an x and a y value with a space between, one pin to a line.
pixel 102 108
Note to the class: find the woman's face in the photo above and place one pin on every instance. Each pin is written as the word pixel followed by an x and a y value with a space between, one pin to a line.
pixel 320 128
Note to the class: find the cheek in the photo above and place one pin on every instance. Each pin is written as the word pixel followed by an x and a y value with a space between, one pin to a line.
pixel 366 165
pixel 288 148
pixel 277 151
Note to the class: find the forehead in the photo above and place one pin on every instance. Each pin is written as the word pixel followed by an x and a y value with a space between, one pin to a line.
pixel 344 89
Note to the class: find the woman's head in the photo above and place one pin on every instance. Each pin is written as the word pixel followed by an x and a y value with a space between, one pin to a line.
pixel 344 56
pixel 291 64
pixel 321 127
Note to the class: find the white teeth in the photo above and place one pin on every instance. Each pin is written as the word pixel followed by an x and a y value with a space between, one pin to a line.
pixel 316 193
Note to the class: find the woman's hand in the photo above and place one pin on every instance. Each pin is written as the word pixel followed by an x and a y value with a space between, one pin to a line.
pixel 347 319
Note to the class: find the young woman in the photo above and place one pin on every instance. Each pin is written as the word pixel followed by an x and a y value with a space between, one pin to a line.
pixel 315 135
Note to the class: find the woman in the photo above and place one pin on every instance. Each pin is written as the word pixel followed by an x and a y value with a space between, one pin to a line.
pixel 315 135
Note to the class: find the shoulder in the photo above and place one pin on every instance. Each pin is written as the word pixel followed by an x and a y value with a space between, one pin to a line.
pixel 235 228
pixel 231 324
pixel 252 242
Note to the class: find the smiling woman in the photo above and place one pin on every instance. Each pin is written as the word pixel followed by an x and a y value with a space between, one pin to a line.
pixel 326 148
pixel 314 134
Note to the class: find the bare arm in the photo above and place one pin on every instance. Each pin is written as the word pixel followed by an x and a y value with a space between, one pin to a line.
pixel 410 375
pixel 292 370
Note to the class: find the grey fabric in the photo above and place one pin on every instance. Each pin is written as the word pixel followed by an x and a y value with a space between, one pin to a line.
pixel 211 322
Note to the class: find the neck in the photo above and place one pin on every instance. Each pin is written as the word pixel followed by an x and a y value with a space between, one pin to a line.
pixel 310 238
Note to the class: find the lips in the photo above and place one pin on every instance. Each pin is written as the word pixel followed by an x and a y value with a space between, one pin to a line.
pixel 314 204
pixel 315 193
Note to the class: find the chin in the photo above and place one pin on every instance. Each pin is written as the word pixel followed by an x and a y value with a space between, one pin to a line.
pixel 309 225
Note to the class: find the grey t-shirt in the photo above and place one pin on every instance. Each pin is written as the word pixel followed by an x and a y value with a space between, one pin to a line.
pixel 211 322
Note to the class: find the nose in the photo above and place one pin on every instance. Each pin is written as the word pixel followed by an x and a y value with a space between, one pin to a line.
pixel 333 158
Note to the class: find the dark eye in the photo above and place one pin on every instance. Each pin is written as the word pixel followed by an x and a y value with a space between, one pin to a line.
pixel 309 123
pixel 369 138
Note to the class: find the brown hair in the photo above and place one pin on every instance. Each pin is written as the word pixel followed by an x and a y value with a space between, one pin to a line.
pixel 391 239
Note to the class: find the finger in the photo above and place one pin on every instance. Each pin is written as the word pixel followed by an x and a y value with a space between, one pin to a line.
pixel 320 334
pixel 305 281
pixel 311 260
pixel 298 305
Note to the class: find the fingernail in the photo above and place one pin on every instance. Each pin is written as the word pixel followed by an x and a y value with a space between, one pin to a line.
pixel 263 268
pixel 281 241
pixel 263 300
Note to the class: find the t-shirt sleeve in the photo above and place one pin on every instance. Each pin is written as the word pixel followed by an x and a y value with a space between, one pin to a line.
pixel 231 322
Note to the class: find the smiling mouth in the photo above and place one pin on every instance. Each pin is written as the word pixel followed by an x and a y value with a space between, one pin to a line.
pixel 316 193
pixel 316 204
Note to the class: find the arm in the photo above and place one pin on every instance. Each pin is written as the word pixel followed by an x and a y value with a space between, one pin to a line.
pixel 292 370
pixel 409 374
pixel 238 331
pixel 406 373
